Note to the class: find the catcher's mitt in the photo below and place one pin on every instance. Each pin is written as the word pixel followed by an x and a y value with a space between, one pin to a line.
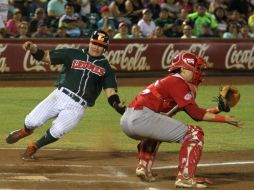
pixel 228 98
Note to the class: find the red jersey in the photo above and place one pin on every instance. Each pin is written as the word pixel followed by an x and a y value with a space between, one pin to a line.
pixel 164 94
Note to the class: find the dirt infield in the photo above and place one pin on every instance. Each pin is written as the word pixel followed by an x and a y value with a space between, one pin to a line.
pixel 76 169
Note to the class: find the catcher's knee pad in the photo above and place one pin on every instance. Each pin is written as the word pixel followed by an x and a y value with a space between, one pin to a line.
pixel 191 151
pixel 147 149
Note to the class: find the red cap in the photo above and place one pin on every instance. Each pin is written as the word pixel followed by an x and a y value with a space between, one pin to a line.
pixel 104 9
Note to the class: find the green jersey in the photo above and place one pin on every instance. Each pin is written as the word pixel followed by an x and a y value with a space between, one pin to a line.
pixel 200 20
pixel 83 74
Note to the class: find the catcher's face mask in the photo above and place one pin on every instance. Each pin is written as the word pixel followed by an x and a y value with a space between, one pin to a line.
pixel 191 62
pixel 198 75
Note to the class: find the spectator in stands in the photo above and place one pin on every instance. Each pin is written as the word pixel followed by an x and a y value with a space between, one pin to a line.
pixel 35 4
pixel 2 33
pixel 164 21
pixel 158 33
pixel 89 15
pixel 182 16
pixel 232 31
pixel 146 24
pixel 105 20
pixel 134 9
pixel 251 21
pixel 55 10
pixel 122 31
pixel 23 30
pixel 87 7
pixel 39 16
pixel 4 8
pixel 185 4
pixel 22 6
pixel 176 31
pixel 71 21
pixel 42 31
pixel 91 24
pixel 2 25
pixel 243 7
pixel 206 31
pixel 237 19
pixel 154 7
pixel 187 32
pixel 11 9
pixel 61 32
pixel 77 5
pixel 119 11
pixel 135 32
pixel 170 5
pixel 200 17
pixel 2 29
pixel 12 25
pixel 217 3
pixel 110 31
pixel 220 15
pixel 245 32
pixel 98 4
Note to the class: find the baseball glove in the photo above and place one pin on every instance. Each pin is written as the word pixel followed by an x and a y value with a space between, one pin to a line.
pixel 228 97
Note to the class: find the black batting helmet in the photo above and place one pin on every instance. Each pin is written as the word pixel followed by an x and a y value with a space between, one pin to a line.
pixel 100 38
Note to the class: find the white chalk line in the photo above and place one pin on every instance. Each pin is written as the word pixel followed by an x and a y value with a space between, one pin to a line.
pixel 62 174
pixel 156 168
pixel 209 165
pixel 69 150
pixel 84 181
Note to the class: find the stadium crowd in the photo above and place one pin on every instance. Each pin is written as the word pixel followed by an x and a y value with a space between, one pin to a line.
pixel 123 19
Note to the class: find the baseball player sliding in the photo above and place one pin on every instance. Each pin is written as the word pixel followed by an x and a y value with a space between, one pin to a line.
pixel 85 73
pixel 143 120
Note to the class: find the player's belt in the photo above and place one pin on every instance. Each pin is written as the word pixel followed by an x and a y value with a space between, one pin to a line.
pixel 73 96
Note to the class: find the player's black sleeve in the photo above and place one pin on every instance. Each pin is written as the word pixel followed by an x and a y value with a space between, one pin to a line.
pixel 61 56
pixel 114 100
pixel 109 78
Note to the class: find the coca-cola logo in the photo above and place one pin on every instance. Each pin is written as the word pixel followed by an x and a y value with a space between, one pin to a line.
pixel 170 53
pixel 30 64
pixel 239 59
pixel 130 58
pixel 3 60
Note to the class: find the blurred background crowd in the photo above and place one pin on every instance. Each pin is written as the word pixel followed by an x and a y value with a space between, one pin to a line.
pixel 123 19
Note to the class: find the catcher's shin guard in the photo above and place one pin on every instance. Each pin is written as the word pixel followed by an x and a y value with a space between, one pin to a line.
pixel 190 152
pixel 147 150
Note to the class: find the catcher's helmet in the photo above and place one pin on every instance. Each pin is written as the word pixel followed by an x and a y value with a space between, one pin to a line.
pixel 101 38
pixel 191 62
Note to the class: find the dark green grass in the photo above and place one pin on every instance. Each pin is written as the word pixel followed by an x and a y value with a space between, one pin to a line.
pixel 100 130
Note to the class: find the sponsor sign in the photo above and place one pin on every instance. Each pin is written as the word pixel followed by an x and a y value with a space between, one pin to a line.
pixel 144 55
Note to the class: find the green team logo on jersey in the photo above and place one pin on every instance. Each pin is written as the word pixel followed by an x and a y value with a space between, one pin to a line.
pixel 83 65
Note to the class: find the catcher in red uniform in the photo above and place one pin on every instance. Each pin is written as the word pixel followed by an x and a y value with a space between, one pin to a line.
pixel 143 120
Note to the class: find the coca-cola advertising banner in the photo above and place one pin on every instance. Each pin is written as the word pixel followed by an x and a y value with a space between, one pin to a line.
pixel 136 55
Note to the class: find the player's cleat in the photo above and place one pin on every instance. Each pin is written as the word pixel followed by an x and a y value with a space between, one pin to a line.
pixel 182 182
pixel 144 175
pixel 203 180
pixel 30 151
pixel 15 136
